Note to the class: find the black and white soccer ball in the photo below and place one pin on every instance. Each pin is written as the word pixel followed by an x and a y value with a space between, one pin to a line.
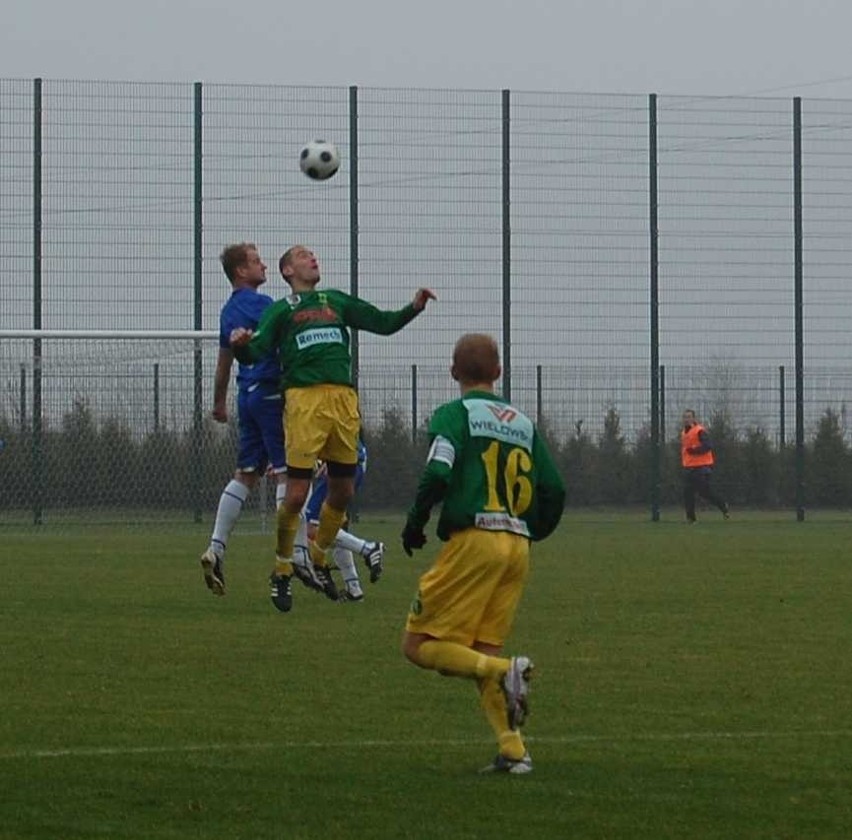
pixel 319 160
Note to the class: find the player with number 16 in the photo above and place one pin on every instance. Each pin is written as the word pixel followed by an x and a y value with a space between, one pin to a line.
pixel 499 490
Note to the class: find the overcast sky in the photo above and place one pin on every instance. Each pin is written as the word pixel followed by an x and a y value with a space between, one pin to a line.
pixel 672 47
pixel 726 47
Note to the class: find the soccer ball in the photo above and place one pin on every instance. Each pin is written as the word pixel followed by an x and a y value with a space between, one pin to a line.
pixel 319 160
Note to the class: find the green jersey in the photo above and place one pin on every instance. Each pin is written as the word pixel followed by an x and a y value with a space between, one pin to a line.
pixel 309 330
pixel 491 469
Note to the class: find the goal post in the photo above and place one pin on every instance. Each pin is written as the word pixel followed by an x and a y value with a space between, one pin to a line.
pixel 114 426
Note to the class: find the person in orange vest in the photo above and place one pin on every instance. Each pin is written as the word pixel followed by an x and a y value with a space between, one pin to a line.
pixel 696 457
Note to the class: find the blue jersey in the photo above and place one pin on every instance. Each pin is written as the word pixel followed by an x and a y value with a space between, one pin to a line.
pixel 243 309
pixel 320 489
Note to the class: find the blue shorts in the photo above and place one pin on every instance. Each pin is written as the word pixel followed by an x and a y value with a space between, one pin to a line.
pixel 261 430
pixel 320 491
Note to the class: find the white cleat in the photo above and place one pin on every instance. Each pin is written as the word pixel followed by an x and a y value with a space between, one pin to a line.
pixel 501 764
pixel 516 688
pixel 211 566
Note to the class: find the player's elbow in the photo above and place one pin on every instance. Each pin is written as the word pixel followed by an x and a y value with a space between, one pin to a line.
pixel 409 648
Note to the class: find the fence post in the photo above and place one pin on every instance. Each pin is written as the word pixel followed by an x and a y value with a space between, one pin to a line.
pixel 38 429
pixel 414 404
pixel 22 405
pixel 654 307
pixel 156 397
pixel 539 396
pixel 353 222
pixel 662 408
pixel 782 410
pixel 198 257
pixel 799 307
pixel 507 250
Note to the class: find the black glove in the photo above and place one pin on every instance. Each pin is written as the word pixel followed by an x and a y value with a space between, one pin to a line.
pixel 412 538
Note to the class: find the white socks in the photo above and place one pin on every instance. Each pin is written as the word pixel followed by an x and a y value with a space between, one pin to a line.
pixel 230 506
pixel 349 542
pixel 344 561
pixel 280 493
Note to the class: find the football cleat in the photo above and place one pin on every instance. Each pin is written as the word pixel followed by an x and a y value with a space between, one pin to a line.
pixel 352 592
pixel 516 688
pixel 373 554
pixel 501 764
pixel 214 577
pixel 280 591
pixel 327 584
pixel 307 576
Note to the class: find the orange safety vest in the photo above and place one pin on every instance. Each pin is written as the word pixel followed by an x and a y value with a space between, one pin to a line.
pixel 688 439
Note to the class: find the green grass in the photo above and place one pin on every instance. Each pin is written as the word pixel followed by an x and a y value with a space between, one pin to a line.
pixel 692 682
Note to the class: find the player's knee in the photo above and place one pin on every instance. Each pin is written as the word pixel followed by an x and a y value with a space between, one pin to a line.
pixel 340 496
pixel 296 497
pixel 247 478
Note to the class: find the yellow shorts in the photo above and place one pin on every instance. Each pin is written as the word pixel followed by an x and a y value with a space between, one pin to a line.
pixel 321 422
pixel 472 592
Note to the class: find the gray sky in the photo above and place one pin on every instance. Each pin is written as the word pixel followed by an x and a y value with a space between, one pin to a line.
pixel 667 46
pixel 579 203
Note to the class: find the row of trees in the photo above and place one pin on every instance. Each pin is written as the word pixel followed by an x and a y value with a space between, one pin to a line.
pixel 87 463
pixel 608 470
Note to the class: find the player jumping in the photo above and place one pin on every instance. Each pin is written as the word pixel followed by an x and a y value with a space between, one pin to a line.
pixel 322 421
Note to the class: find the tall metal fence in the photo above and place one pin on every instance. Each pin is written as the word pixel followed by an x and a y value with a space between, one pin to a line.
pixel 634 255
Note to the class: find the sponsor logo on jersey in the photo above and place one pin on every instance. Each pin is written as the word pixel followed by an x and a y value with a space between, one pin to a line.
pixel 320 335
pixel 504 413
pixel 325 315
pixel 499 421
pixel 501 522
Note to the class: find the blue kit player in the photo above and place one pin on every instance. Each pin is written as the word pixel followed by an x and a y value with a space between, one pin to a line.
pixel 259 404
pixel 345 543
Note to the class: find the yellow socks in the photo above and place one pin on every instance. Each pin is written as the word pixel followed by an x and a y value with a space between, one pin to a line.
pixel 460 661
pixel 493 703
pixel 457 660
pixel 287 526
pixel 283 567
pixel 330 520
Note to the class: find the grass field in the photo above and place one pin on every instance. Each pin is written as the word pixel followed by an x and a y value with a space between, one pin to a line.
pixel 692 682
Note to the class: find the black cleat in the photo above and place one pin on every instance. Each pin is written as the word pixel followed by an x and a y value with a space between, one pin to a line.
pixel 307 576
pixel 351 592
pixel 329 588
pixel 281 592
pixel 373 555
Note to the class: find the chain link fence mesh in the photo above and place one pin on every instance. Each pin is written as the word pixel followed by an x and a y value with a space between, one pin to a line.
pixel 528 213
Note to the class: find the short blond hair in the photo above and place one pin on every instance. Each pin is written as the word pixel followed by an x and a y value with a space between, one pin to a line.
pixel 234 256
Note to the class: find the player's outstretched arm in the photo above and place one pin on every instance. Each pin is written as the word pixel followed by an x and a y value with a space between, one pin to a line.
pixel 421 298
pixel 364 316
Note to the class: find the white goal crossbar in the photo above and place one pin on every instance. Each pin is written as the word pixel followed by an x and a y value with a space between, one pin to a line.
pixel 121 335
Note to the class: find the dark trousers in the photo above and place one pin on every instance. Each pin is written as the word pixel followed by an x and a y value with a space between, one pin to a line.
pixel 696 482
